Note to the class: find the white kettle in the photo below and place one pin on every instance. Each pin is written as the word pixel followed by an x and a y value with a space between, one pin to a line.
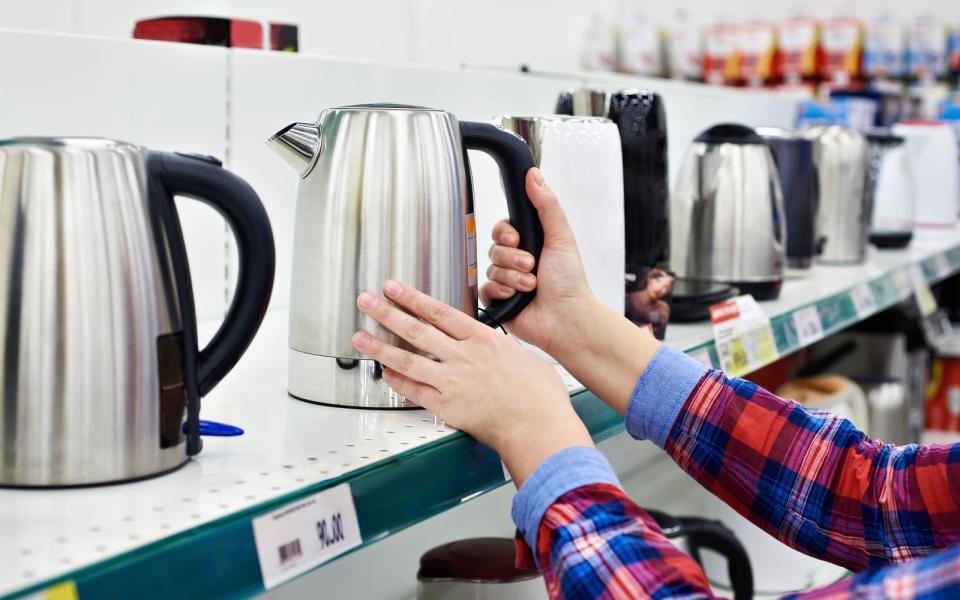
pixel 932 149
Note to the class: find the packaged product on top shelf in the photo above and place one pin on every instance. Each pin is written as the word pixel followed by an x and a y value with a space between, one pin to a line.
pixel 641 49
pixel 599 50
pixel 927 50
pixel 883 49
pixel 684 49
pixel 719 58
pixel 843 51
pixel 757 50
pixel 953 53
pixel 800 52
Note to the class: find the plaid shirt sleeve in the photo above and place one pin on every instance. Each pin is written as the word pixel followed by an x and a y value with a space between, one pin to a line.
pixel 808 478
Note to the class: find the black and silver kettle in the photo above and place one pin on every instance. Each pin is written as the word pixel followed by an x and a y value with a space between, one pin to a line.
pixel 100 369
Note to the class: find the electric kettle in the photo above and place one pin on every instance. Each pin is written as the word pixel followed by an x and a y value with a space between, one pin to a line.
pixel 727 221
pixel 801 193
pixel 101 374
pixel 642 122
pixel 932 151
pixel 693 534
pixel 385 192
pixel 580 157
pixel 894 207
pixel 843 165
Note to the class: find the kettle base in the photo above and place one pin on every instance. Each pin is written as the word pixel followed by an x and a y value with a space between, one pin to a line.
pixel 760 290
pixel 347 382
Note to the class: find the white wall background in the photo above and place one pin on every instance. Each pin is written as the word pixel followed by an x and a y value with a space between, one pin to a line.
pixel 542 33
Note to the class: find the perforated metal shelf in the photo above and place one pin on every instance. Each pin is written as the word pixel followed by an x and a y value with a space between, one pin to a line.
pixel 191 529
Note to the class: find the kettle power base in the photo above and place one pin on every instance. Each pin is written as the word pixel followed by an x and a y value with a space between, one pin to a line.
pixel 333 381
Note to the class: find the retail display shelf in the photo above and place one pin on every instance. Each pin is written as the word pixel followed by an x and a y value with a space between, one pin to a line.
pixel 144 539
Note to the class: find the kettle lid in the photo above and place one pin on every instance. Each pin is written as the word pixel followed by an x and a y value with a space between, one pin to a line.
pixel 730 133
pixel 884 136
pixel 477 559
pixel 388 106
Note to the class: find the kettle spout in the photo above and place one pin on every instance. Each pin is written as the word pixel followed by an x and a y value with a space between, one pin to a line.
pixel 298 144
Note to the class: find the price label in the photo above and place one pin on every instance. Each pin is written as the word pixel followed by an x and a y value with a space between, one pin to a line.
pixel 702 356
pixel 921 292
pixel 807 323
pixel 942 265
pixel 506 472
pixel 65 590
pixel 743 335
pixel 864 302
pixel 904 283
pixel 304 534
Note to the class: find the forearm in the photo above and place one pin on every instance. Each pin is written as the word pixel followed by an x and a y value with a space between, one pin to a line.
pixel 605 352
pixel 590 540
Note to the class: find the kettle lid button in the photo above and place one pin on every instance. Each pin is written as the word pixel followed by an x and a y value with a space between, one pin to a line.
pixel 213 160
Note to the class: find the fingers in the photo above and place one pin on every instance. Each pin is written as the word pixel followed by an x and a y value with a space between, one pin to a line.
pixel 420 393
pixel 447 319
pixel 554 220
pixel 506 234
pixel 493 290
pixel 512 258
pixel 421 335
pixel 523 282
pixel 406 363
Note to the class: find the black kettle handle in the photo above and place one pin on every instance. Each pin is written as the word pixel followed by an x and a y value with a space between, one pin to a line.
pixel 714 535
pixel 514 158
pixel 202 178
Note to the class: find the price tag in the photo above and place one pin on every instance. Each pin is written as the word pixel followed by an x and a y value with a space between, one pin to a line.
pixel 304 534
pixel 864 302
pixel 506 473
pixel 942 265
pixel 904 283
pixel 65 590
pixel 743 335
pixel 807 323
pixel 702 356
pixel 921 292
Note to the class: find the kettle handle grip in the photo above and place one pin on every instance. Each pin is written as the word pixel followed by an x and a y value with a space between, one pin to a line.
pixel 714 535
pixel 514 158
pixel 202 178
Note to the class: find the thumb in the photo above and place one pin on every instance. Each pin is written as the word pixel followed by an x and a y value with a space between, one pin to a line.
pixel 554 220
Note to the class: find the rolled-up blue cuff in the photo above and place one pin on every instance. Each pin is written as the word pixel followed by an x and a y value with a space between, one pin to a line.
pixel 565 470
pixel 660 393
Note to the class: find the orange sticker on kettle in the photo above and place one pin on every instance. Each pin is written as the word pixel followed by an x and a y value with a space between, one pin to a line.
pixel 471 226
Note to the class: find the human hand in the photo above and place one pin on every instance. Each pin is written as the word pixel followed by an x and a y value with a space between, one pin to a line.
pixel 563 294
pixel 481 382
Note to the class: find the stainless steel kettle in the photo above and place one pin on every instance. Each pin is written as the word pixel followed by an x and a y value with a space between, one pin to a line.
pixel 385 191
pixel 727 221
pixel 843 165
pixel 100 374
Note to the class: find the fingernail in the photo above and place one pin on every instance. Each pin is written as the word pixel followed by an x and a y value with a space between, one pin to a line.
pixel 367 300
pixel 392 288
pixel 528 280
pixel 508 239
pixel 525 262
pixel 360 340
pixel 537 177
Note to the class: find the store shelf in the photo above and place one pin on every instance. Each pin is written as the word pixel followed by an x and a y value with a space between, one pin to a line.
pixel 191 530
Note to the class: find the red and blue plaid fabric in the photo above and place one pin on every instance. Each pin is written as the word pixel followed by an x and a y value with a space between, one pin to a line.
pixel 809 478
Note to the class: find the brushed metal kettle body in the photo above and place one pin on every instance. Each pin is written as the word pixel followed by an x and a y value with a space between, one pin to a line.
pixel 100 374
pixel 843 166
pixel 385 192
pixel 726 213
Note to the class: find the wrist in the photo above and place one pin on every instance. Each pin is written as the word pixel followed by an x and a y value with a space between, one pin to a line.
pixel 576 329
pixel 525 447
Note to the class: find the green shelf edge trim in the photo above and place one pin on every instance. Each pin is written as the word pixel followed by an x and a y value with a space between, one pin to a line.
pixel 219 558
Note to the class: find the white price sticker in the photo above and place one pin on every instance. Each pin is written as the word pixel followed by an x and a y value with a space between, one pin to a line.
pixel 304 534
pixel 864 301
pixel 807 323
pixel 942 265
pixel 902 278
pixel 921 291
pixel 702 356
pixel 506 472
